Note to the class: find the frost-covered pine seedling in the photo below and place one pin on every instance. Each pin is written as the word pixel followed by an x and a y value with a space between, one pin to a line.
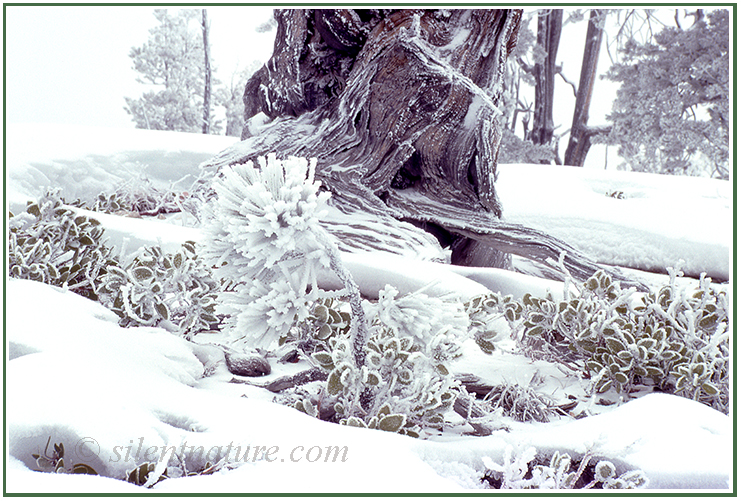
pixel 264 238
pixel 404 384
pixel 437 324
pixel 49 243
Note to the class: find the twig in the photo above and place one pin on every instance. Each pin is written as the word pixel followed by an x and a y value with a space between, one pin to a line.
pixel 285 382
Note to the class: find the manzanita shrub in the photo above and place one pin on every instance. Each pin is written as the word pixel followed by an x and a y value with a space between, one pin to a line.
pixel 674 339
pixel 172 291
pixel 54 463
pixel 50 243
pixel 141 198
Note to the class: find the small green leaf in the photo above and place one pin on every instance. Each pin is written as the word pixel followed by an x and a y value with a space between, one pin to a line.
pixel 142 273
pixel 310 408
pixel 624 355
pixel 190 246
pixel 321 313
pixel 323 358
pixel 614 344
pixel 603 386
pixel 485 345
pixel 373 379
pixel 405 376
pixel 353 421
pixel 604 471
pixel 392 422
pixel 592 284
pixel 162 310
pixel 708 322
pixel 323 332
pixel 594 366
pixel 647 343
pixel 435 420
pixel 653 371
pixel 536 318
pixel 535 331
pixel 334 385
pixel 710 389
pixel 384 410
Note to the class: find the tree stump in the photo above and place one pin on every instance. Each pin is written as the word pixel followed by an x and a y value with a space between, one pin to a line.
pixel 401 109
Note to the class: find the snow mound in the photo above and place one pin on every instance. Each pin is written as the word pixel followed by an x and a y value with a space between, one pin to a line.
pixel 85 161
pixel 631 219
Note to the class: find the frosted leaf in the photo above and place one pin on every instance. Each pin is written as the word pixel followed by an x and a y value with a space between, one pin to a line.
pixel 391 422
pixel 604 470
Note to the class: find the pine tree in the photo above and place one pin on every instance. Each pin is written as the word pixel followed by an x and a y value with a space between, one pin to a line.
pixel 672 109
pixel 172 61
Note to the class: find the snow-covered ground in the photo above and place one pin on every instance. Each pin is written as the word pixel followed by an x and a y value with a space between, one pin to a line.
pixel 637 220
pixel 116 397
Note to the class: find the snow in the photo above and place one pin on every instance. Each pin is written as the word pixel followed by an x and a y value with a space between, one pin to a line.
pixel 75 376
pixel 126 234
pixel 85 161
pixel 101 389
pixel 660 220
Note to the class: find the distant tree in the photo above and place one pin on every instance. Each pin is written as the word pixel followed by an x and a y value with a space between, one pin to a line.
pixel 172 61
pixel 207 74
pixel 520 75
pixel 549 36
pixel 672 109
pixel 581 134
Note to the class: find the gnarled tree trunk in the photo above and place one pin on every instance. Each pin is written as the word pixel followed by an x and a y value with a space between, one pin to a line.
pixel 400 107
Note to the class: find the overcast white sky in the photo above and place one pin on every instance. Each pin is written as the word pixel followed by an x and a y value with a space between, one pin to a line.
pixel 71 64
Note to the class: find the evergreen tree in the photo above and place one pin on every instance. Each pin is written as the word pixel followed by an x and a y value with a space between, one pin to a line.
pixel 172 61
pixel 672 110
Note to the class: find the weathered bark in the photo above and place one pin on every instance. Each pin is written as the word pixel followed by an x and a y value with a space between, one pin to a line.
pixel 580 139
pixel 407 100
pixel 400 107
pixel 549 37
